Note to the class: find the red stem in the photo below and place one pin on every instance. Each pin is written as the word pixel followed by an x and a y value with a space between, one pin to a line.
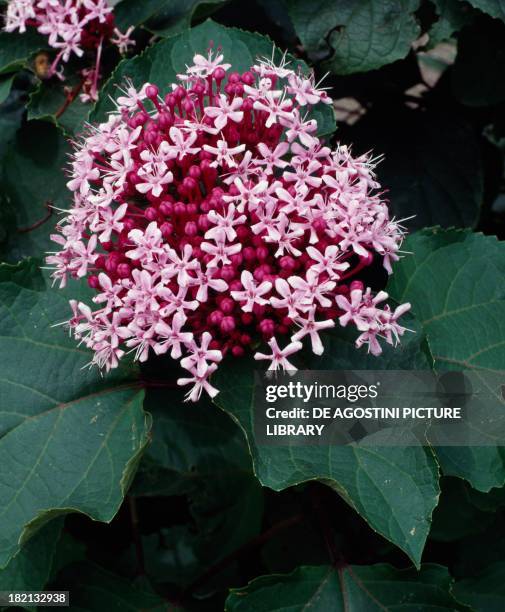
pixel 71 96
pixel 30 228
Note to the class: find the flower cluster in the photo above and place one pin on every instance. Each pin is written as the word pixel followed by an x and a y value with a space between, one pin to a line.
pixel 72 27
pixel 213 219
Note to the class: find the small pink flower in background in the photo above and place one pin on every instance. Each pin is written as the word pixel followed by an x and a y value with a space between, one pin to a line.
pixel 72 27
pixel 213 219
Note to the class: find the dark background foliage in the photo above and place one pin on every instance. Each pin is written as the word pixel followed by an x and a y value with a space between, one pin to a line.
pixel 419 81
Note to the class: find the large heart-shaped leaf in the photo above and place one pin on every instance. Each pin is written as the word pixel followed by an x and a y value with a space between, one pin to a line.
pixel 394 489
pixel 70 438
pixel 355 35
pixel 455 283
pixel 162 62
pixel 359 587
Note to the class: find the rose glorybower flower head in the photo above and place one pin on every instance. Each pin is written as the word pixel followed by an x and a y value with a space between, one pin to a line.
pixel 72 27
pixel 213 220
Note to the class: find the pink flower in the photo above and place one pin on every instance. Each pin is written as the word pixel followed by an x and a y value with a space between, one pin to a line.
pixel 273 159
pixel 352 309
pixel 156 176
pixel 205 281
pixel 327 263
pixel 123 40
pixel 131 98
pixel 200 383
pixel 84 172
pixel 278 358
pixel 172 337
pixel 252 293
pixel 177 302
pixel 275 108
pixel 182 143
pixel 183 264
pixel 297 128
pixel 224 111
pixel 310 327
pixel 249 195
pixel 313 288
pixel 303 90
pixel 369 337
pixel 224 153
pixel 200 356
pixel 224 225
pixel 84 255
pixel 213 219
pixel 290 299
pixel 205 66
pixel 220 252
pixel 148 242
pixel 110 293
pixel 143 339
pixel 72 27
pixel 109 221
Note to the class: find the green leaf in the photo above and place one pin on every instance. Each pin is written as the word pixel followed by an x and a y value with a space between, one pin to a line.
pixel 32 177
pixel 482 466
pixel 359 587
pixel 48 99
pixel 495 8
pixel 480 61
pixel 198 451
pixel 130 13
pixel 164 17
pixel 454 280
pixel 394 489
pixel 32 568
pixel 355 35
pixel 455 283
pixel 70 438
pixel 453 15
pixel 484 592
pixel 432 167
pixel 162 62
pixel 16 49
pixel 93 589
